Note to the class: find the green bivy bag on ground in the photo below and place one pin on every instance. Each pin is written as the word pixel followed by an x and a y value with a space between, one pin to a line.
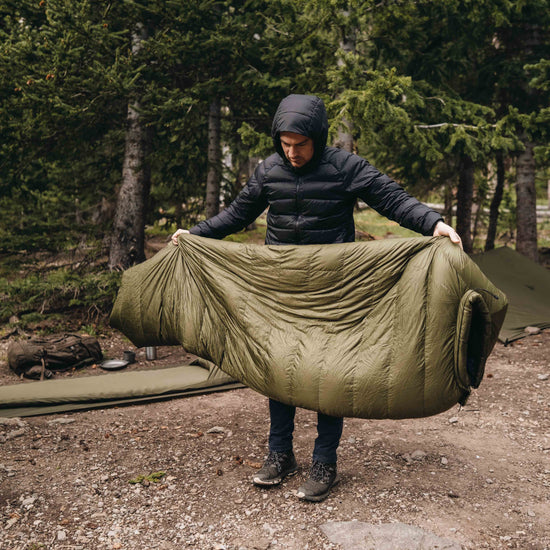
pixel 527 287
pixel 397 328
pixel 113 389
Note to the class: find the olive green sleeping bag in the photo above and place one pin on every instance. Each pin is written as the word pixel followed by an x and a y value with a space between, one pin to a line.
pixel 397 328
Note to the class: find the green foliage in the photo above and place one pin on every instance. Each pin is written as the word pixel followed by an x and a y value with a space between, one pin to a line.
pixel 68 72
pixel 378 226
pixel 256 235
pixel 421 82
pixel 154 477
pixel 428 102
pixel 60 290
pixel 259 144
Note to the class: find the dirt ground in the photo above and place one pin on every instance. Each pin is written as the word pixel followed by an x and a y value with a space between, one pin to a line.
pixel 478 475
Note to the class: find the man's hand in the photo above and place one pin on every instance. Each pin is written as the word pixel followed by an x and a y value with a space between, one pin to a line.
pixel 179 232
pixel 444 230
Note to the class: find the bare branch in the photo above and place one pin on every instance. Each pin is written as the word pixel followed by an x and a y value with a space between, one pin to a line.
pixel 441 124
pixel 437 99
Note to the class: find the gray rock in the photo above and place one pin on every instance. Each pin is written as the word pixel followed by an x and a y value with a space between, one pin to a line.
pixel 357 535
pixel 216 430
pixel 419 455
pixel 12 422
pixel 62 421
pixel 29 501
pixel 15 433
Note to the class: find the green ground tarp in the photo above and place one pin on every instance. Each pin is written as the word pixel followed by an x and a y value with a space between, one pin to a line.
pixel 526 285
pixel 122 388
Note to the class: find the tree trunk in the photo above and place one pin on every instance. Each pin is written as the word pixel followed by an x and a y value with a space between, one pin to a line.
pixel 448 206
pixel 345 131
pixel 495 204
pixel 526 208
pixel 213 178
pixel 127 245
pixel 246 169
pixel 476 212
pixel 464 196
pixel 345 137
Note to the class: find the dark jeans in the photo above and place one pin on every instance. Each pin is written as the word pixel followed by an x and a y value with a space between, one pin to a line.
pixel 329 431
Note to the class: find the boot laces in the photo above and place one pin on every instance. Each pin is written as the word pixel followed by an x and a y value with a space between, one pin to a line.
pixel 276 459
pixel 322 472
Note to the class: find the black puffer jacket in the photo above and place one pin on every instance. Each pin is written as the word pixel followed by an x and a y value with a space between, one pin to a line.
pixel 314 204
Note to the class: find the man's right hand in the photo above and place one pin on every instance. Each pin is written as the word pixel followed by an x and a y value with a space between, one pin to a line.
pixel 176 234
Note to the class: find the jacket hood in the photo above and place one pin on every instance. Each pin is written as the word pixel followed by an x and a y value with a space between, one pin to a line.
pixel 305 115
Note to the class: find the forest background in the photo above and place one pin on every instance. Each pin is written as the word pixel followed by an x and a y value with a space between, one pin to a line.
pixel 124 120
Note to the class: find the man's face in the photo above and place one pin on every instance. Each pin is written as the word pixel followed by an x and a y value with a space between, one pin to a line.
pixel 298 149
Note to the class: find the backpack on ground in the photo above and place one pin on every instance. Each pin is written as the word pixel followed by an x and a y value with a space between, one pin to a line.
pixel 39 358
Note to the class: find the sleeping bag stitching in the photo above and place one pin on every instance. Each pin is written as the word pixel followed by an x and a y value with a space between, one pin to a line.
pixel 426 317
pixel 391 361
pixel 140 307
pixel 344 274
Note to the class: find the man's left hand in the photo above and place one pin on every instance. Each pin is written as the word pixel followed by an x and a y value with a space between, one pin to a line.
pixel 444 230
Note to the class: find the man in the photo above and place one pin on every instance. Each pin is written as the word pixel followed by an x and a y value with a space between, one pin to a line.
pixel 311 191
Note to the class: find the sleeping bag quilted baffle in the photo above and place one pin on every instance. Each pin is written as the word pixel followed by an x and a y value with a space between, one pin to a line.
pixel 397 328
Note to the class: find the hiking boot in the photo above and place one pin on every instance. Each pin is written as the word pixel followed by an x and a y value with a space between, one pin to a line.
pixel 276 467
pixel 322 477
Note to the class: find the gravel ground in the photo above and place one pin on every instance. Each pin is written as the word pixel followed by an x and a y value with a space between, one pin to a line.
pixel 176 474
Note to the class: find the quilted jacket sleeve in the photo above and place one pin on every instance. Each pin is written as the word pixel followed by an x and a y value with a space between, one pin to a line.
pixel 389 198
pixel 246 207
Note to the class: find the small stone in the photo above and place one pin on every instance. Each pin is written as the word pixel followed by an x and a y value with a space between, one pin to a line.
pixel 216 430
pixel 29 501
pixel 418 455
pixel 61 535
pixel 15 433
pixel 531 514
pixel 444 461
pixel 543 376
pixel 453 420
pixel 11 521
pixel 62 421
pixel 532 330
